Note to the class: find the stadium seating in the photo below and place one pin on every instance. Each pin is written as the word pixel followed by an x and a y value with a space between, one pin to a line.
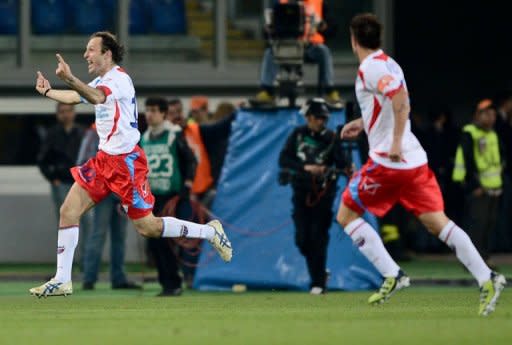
pixel 8 17
pixel 139 17
pixel 168 16
pixel 87 16
pixel 49 17
pixel 92 15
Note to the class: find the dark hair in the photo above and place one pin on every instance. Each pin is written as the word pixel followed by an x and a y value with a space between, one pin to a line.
pixel 367 30
pixel 503 97
pixel 175 101
pixel 109 42
pixel 159 102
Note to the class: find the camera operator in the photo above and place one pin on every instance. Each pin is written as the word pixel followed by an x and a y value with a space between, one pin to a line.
pixel 311 161
pixel 315 52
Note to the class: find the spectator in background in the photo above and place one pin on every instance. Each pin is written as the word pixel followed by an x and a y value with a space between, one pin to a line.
pixel 224 109
pixel 58 154
pixel 199 110
pixel 107 218
pixel 175 110
pixel 59 151
pixel 440 142
pixel 204 140
pixel 501 240
pixel 311 161
pixel 503 128
pixel 478 166
pixel 217 143
pixel 504 114
pixel 171 170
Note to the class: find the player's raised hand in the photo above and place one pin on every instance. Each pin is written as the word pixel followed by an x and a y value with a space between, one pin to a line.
pixel 63 71
pixel 352 129
pixel 42 84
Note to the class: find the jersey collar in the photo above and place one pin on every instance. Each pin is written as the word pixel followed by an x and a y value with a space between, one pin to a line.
pixel 372 55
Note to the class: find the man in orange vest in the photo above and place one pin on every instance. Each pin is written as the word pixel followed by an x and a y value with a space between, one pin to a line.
pixel 316 51
pixel 205 141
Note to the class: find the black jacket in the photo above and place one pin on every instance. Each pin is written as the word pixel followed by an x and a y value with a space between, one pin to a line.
pixel 59 153
pixel 306 147
pixel 215 138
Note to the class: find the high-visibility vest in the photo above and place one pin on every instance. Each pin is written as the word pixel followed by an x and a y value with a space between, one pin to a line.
pixel 486 151
pixel 203 178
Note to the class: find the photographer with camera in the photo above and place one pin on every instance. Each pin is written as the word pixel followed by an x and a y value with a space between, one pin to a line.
pixel 315 51
pixel 311 161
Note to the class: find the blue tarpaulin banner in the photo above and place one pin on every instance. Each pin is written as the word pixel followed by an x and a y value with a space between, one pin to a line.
pixel 256 213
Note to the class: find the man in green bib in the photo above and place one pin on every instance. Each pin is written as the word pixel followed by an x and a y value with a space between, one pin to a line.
pixel 171 170
pixel 478 166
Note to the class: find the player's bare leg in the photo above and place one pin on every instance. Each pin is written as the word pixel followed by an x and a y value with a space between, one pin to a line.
pixel 491 283
pixel 371 246
pixel 151 226
pixel 77 202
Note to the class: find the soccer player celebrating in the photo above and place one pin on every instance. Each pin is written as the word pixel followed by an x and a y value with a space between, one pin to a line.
pixel 119 167
pixel 397 171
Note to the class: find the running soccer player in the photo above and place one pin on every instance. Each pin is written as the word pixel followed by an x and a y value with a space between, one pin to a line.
pixel 397 171
pixel 119 167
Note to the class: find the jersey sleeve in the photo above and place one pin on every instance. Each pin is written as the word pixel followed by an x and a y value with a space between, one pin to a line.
pixel 115 88
pixel 91 84
pixel 383 78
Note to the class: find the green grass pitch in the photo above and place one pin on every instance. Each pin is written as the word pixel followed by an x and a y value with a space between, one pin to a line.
pixel 418 315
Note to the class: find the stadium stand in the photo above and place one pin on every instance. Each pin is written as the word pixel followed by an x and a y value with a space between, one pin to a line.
pixel 168 17
pixel 49 17
pixel 8 17
pixel 87 18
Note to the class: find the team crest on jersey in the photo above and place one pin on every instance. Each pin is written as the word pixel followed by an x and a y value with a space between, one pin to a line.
pixel 384 82
pixel 369 185
pixel 183 231
pixel 86 173
pixel 60 249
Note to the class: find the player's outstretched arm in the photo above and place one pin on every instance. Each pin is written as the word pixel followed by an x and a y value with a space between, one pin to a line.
pixel 401 110
pixel 63 71
pixel 63 96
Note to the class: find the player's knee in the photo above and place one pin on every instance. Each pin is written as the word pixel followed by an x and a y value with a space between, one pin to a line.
pixel 342 218
pixel 68 214
pixel 434 222
pixel 346 216
pixel 144 229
